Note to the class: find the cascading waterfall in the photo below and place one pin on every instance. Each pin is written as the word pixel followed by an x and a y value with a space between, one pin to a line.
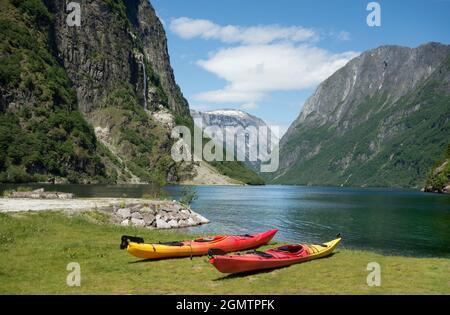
pixel 145 86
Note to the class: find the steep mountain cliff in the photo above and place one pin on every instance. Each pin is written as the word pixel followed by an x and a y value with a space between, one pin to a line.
pixel 120 67
pixel 114 68
pixel 42 135
pixel 89 103
pixel 381 120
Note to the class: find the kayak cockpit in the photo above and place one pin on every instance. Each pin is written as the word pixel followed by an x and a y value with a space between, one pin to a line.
pixel 291 249
pixel 209 239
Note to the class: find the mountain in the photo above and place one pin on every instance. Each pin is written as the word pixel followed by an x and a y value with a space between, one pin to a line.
pixel 381 120
pixel 224 118
pixel 228 118
pixel 94 103
pixel 232 118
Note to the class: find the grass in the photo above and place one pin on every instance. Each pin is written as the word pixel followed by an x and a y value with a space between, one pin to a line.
pixel 36 248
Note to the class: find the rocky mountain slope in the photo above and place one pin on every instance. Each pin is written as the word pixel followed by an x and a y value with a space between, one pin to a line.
pixel 94 103
pixel 438 180
pixel 237 119
pixel 381 120
pixel 229 118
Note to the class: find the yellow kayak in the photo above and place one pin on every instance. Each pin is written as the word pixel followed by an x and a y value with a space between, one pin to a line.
pixel 197 247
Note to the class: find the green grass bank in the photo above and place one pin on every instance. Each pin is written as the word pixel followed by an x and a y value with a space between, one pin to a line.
pixel 36 248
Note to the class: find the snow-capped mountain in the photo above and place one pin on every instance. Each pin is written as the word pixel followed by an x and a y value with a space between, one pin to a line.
pixel 228 118
pixel 232 118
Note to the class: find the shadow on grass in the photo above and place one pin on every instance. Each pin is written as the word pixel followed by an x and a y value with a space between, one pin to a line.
pixel 159 259
pixel 261 271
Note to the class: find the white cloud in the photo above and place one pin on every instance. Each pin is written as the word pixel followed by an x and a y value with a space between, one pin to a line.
pixel 344 35
pixel 200 107
pixel 261 34
pixel 261 59
pixel 252 71
pixel 248 106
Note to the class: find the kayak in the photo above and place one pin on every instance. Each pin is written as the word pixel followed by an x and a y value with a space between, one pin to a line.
pixel 197 247
pixel 273 258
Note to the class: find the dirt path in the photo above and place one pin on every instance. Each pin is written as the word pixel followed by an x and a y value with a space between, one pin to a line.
pixel 17 205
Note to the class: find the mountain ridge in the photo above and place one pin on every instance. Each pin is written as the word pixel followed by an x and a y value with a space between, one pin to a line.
pixel 364 112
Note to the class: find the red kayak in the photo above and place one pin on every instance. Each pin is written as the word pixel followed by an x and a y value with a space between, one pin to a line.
pixel 273 258
pixel 197 247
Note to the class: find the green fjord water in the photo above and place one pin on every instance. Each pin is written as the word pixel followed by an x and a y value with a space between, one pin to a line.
pixel 394 222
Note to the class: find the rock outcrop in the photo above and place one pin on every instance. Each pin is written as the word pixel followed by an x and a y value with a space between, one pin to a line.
pixel 156 215
pixel 438 180
pixel 107 52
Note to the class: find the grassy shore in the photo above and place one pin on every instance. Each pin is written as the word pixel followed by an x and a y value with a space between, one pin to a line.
pixel 36 248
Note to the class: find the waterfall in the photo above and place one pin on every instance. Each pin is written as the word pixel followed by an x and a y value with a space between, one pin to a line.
pixel 145 86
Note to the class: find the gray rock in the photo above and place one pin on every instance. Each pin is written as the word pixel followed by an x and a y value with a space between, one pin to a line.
pixel 201 219
pixel 190 221
pixel 148 210
pixel 125 222
pixel 173 223
pixel 149 218
pixel 138 222
pixel 124 213
pixel 137 215
pixel 161 224
pixel 135 208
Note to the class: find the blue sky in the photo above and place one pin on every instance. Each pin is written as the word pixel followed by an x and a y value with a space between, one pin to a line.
pixel 267 57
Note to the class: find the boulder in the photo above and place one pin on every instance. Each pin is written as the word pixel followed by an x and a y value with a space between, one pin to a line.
pixel 124 213
pixel 148 210
pixel 190 222
pixel 125 222
pixel 161 224
pixel 138 222
pixel 149 218
pixel 201 219
pixel 136 207
pixel 137 215
pixel 173 223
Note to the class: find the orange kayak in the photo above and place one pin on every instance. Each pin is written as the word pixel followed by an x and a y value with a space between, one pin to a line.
pixel 197 247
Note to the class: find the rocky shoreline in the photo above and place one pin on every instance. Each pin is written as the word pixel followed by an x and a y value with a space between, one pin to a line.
pixel 145 213
pixel 157 215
